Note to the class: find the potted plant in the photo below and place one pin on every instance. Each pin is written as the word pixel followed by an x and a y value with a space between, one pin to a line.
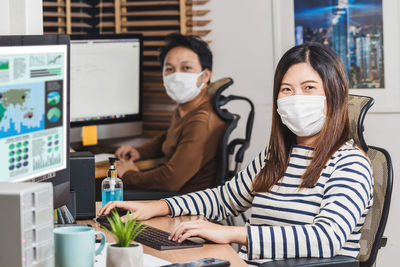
pixel 124 252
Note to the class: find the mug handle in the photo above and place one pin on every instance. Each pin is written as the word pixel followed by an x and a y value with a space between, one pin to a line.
pixel 102 242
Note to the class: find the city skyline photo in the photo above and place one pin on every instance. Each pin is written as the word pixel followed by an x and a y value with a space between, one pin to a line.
pixel 353 28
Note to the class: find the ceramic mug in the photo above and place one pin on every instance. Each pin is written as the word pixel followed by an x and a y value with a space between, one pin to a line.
pixel 74 246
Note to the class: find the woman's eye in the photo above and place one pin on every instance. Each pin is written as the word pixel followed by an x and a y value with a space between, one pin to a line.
pixel 309 87
pixel 167 69
pixel 187 68
pixel 285 89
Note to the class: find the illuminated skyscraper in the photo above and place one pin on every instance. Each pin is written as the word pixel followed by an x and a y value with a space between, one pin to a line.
pixel 340 24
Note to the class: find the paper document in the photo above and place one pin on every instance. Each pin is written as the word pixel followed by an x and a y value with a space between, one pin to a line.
pixel 148 260
pixel 102 157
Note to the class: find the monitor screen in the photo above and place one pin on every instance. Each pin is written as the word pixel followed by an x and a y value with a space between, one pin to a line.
pixel 34 124
pixel 105 79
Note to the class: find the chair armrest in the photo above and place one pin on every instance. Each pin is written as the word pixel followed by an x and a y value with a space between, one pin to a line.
pixel 337 261
pixel 130 194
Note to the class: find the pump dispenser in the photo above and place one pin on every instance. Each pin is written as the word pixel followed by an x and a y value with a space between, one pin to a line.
pixel 112 186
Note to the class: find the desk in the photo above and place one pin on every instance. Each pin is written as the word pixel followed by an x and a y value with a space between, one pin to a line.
pixel 219 251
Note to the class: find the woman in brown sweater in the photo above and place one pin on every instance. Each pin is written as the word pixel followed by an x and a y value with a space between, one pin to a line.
pixel 190 145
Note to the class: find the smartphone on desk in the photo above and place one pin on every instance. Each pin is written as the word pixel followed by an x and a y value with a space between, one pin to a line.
pixel 207 262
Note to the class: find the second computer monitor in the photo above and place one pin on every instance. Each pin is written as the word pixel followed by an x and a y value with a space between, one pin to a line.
pixel 34 121
pixel 105 79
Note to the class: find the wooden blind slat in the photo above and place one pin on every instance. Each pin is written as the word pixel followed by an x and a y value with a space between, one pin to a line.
pixel 105 15
pixel 151 63
pixel 197 12
pixel 54 14
pixel 197 22
pixel 78 32
pixel 155 94
pixel 152 73
pixel 150 3
pixel 105 4
pixel 154 33
pixel 80 15
pixel 151 53
pixel 197 2
pixel 201 33
pixel 53 4
pixel 81 25
pixel 152 13
pixel 80 5
pixel 153 43
pixel 158 113
pixel 54 24
pixel 158 84
pixel 150 23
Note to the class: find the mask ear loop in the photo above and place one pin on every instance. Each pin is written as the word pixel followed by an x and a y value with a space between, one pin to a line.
pixel 203 83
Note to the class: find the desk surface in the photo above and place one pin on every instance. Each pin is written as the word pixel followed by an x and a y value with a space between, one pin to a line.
pixel 218 251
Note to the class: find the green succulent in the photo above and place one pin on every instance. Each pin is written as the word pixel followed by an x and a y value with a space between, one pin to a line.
pixel 126 232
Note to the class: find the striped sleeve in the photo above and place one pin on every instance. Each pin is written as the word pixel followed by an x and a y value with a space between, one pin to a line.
pixel 226 200
pixel 347 197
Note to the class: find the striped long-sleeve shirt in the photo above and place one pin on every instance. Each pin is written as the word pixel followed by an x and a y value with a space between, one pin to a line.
pixel 288 222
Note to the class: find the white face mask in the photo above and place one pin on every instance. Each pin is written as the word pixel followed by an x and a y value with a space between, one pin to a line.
pixel 302 114
pixel 182 86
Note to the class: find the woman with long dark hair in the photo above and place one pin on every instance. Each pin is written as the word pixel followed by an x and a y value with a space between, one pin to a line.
pixel 309 191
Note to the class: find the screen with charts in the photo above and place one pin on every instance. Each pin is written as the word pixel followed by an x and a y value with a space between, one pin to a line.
pixel 105 80
pixel 33 123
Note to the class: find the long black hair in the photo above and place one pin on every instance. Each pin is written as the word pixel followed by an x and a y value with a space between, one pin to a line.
pixel 336 128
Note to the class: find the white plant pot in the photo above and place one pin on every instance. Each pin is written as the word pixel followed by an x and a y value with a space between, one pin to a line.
pixel 125 257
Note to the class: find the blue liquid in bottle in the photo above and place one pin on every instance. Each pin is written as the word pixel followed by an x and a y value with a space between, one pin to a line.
pixel 108 195
pixel 111 187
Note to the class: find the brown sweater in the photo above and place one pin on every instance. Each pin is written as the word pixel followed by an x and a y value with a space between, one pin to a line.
pixel 190 147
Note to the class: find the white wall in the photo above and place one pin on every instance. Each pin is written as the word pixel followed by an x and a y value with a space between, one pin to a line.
pixel 242 45
pixel 21 17
pixel 243 49
pixel 4 17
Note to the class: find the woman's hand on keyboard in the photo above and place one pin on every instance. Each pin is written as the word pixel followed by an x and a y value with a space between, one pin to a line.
pixel 217 233
pixel 140 210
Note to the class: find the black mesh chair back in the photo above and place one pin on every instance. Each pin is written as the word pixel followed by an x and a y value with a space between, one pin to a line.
pixel 358 107
pixel 231 151
pixel 372 232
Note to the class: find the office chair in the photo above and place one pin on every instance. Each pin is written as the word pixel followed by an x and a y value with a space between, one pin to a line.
pixel 372 238
pixel 228 150
pixel 231 152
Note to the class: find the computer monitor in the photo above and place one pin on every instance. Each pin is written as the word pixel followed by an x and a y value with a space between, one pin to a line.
pixel 106 84
pixel 34 111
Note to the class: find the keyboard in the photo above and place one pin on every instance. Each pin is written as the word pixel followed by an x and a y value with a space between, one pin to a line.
pixel 154 237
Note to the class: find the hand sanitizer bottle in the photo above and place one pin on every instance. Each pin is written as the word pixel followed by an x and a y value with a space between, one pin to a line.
pixel 112 186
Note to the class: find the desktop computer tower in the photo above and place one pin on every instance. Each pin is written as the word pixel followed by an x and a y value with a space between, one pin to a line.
pixel 26 225
pixel 82 185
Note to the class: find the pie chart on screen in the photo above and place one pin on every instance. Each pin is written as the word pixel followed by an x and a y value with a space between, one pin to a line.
pixel 53 115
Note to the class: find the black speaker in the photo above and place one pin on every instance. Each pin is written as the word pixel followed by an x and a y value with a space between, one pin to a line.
pixel 82 185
